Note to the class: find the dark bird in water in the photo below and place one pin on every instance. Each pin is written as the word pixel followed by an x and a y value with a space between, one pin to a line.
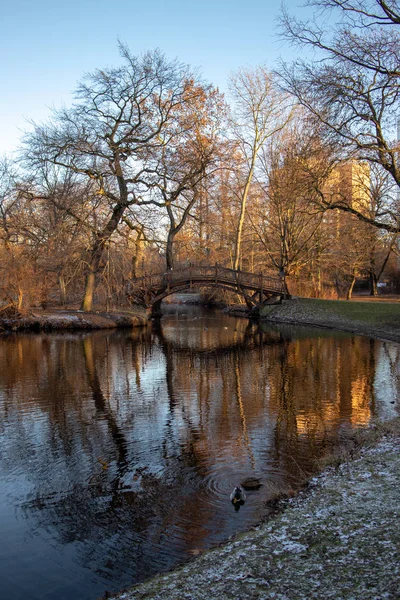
pixel 251 483
pixel 238 497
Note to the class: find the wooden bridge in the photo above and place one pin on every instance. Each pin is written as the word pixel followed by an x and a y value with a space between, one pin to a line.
pixel 255 288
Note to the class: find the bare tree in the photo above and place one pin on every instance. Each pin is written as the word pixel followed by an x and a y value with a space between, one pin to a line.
pixel 20 281
pixel 287 220
pixel 365 12
pixel 188 160
pixel 352 87
pixel 110 135
pixel 260 111
pixel 7 197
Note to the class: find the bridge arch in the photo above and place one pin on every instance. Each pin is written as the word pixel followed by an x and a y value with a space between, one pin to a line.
pixel 150 290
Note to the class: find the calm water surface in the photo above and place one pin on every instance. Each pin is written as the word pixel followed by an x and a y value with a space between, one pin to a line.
pixel 118 450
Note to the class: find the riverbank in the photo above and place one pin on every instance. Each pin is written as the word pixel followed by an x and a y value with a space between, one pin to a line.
pixel 339 538
pixel 376 319
pixel 61 319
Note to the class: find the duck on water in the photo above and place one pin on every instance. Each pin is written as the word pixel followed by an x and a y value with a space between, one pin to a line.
pixel 238 496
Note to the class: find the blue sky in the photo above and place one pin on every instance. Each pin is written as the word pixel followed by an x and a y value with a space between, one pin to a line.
pixel 46 46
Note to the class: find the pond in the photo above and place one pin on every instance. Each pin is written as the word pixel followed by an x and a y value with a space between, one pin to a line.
pixel 119 450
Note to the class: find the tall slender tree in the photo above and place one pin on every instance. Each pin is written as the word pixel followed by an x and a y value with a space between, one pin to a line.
pixel 260 110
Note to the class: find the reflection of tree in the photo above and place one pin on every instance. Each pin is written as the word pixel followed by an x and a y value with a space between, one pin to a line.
pixel 286 424
pixel 117 530
pixel 102 406
pixel 245 436
pixel 321 383
pixel 177 409
pixel 169 363
pixel 288 452
pixel 175 424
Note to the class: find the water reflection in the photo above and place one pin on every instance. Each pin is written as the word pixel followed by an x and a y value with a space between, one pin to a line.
pixel 119 451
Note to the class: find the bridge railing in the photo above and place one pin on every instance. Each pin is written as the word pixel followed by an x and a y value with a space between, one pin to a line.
pixel 215 274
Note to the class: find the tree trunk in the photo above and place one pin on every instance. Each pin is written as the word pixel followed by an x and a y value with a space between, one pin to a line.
pixel 238 241
pixel 97 252
pixel 373 280
pixel 169 255
pixel 20 299
pixel 87 302
pixel 63 289
pixel 350 289
pixel 137 252
pixel 134 264
pixel 282 275
pixel 337 287
pixel 373 284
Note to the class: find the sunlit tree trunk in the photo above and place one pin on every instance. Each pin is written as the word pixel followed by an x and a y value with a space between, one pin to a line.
pixel 239 230
pixel 350 288
pixel 97 252
pixel 87 302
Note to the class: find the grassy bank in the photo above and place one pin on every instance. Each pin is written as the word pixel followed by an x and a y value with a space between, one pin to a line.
pixel 374 319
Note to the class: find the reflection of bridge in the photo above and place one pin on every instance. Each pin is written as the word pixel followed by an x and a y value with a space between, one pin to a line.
pixel 150 290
